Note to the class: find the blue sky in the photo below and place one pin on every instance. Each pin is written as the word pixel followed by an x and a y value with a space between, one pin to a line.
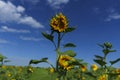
pixel 22 21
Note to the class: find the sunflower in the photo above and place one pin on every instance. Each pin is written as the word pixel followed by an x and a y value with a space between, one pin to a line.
pixel 94 67
pixel 52 70
pixel 103 77
pixel 59 23
pixel 118 71
pixel 64 62
pixel 9 74
pixel 83 68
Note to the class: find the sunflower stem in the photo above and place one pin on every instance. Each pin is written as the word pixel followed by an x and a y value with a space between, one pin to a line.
pixel 57 51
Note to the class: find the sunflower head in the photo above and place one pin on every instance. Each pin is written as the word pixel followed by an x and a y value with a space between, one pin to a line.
pixel 103 77
pixel 52 70
pixel 64 62
pixel 9 74
pixel 83 68
pixel 118 70
pixel 94 67
pixel 59 23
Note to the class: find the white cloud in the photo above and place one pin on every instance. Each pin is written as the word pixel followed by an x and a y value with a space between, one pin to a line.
pixel 30 21
pixel 20 9
pixel 7 29
pixel 11 13
pixel 3 41
pixel 113 16
pixel 29 38
pixel 57 3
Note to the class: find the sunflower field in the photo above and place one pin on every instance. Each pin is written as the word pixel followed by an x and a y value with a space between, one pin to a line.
pixel 67 66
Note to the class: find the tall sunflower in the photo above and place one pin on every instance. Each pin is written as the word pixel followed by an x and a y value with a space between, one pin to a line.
pixel 59 23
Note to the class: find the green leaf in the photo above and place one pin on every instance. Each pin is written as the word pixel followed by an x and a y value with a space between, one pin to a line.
pixel 34 62
pixel 44 59
pixel 113 74
pixel 69 45
pixel 112 50
pixel 105 51
pixel 48 36
pixel 2 57
pixel 38 61
pixel 69 29
pixel 99 57
pixel 100 62
pixel 79 62
pixel 101 45
pixel 115 61
pixel 75 63
pixel 69 53
pixel 90 74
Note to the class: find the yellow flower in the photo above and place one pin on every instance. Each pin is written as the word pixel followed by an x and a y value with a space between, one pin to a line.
pixel 30 69
pixel 69 67
pixel 52 70
pixel 118 77
pixel 64 62
pixel 9 74
pixel 78 76
pixel 4 67
pixel 83 68
pixel 103 77
pixel 20 70
pixel 118 70
pixel 57 79
pixel 59 23
pixel 83 78
pixel 94 67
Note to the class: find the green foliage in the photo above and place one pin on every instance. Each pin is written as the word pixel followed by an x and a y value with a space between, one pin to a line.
pixel 100 62
pixel 79 62
pixel 48 36
pixel 69 45
pixel 2 57
pixel 108 45
pixel 99 57
pixel 41 74
pixel 91 74
pixel 14 73
pixel 70 29
pixel 69 53
pixel 115 61
pixel 38 61
pixel 107 48
pixel 38 73
pixel 107 51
